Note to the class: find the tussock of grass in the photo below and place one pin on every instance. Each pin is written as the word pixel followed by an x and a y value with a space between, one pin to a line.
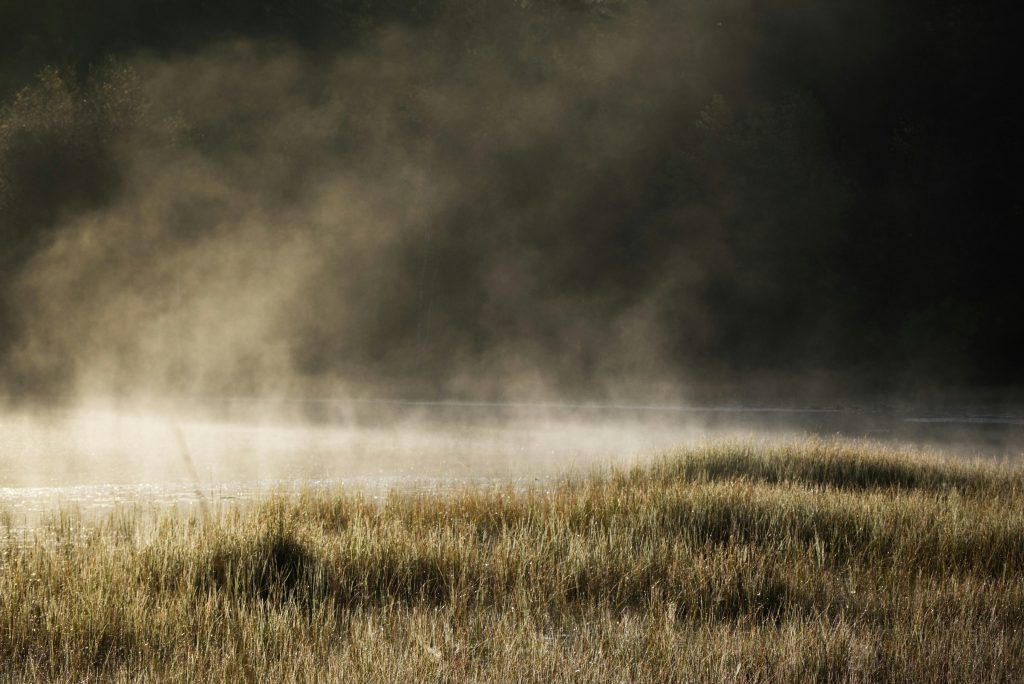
pixel 843 464
pixel 810 561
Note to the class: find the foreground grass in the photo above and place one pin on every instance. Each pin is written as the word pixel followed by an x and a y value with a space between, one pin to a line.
pixel 810 561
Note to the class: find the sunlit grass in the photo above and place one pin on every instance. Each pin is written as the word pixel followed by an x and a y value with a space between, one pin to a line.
pixel 802 561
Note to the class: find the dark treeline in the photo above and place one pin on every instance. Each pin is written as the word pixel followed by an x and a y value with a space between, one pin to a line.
pixel 819 198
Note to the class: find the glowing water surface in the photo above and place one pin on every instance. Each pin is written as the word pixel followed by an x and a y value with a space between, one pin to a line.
pixel 94 461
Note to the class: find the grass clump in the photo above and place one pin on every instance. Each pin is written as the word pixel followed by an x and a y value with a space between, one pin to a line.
pixel 734 562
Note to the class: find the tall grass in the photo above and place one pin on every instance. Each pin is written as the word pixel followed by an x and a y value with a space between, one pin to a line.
pixel 820 561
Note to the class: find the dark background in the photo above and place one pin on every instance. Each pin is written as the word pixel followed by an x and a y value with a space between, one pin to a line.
pixel 825 196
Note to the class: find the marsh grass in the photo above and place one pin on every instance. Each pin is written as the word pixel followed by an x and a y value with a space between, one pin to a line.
pixel 823 561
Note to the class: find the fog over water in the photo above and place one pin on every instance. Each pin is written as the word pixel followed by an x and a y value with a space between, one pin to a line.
pixel 530 238
pixel 639 202
pixel 220 454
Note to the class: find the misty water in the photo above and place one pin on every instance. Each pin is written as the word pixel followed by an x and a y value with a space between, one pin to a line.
pixel 93 461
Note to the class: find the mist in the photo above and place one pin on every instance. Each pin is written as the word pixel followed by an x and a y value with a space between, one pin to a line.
pixel 284 224
pixel 318 219
pixel 648 202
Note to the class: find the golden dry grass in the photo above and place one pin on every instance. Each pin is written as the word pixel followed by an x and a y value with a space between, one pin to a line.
pixel 809 561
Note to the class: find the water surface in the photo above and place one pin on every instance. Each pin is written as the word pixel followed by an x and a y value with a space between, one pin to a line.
pixel 97 460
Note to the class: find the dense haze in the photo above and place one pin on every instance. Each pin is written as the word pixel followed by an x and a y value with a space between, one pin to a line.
pixel 644 201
